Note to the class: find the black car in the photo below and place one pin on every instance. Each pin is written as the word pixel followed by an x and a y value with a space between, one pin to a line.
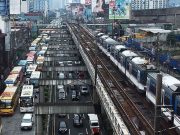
pixel 62 127
pixel 75 95
pixel 77 120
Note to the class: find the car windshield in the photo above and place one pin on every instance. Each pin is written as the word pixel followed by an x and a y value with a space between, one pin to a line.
pixel 26 120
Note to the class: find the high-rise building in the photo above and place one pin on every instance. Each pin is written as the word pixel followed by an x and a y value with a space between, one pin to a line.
pixel 149 4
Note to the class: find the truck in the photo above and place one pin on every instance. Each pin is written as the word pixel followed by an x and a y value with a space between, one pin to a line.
pixel 94 124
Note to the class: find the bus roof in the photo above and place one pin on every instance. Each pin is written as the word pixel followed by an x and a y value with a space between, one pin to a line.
pixel 32 67
pixel 11 78
pixel 30 58
pixel 27 90
pixel 16 70
pixel 8 93
pixel 35 75
pixel 22 63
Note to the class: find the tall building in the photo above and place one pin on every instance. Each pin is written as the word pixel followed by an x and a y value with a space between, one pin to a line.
pixel 149 4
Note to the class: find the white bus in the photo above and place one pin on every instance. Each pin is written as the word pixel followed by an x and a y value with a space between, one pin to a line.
pixel 26 99
pixel 34 79
pixel 30 69
pixel 12 80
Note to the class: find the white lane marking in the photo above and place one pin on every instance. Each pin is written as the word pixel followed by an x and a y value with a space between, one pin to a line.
pixel 68 116
pixel 86 131
pixel 69 131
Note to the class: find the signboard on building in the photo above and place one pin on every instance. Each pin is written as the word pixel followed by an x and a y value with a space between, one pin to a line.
pixel 119 9
pixel 87 2
pixel 24 6
pixel 15 7
pixel 76 1
pixel 4 7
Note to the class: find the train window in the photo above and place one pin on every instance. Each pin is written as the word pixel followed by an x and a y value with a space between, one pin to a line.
pixel 130 68
pixel 134 72
pixel 166 99
pixel 178 109
pixel 152 88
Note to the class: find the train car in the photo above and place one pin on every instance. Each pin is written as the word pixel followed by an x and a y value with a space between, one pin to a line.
pixel 116 49
pixel 137 72
pixel 170 95
pixel 102 38
pixel 122 58
pixel 108 42
pixel 177 112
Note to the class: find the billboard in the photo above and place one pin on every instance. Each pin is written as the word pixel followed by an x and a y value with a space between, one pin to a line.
pixel 4 7
pixel 87 2
pixel 15 7
pixel 119 9
pixel 76 1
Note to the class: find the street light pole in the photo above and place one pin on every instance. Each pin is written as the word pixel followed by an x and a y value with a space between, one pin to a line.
pixel 113 24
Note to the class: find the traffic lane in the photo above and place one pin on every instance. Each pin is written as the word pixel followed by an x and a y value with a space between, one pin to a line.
pixel 82 98
pixel 72 130
pixel 12 125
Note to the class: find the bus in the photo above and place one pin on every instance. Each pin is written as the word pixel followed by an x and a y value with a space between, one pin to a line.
pixel 12 80
pixel 9 100
pixel 23 64
pixel 40 61
pixel 30 69
pixel 34 79
pixel 26 99
pixel 18 70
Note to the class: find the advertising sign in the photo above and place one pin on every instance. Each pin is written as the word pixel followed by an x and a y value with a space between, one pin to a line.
pixel 4 8
pixel 119 9
pixel 15 6
pixel 75 1
pixel 87 2
pixel 97 6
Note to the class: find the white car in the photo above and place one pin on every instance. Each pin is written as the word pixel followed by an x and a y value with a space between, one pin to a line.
pixel 27 121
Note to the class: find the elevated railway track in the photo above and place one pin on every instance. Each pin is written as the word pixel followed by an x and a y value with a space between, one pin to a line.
pixel 136 113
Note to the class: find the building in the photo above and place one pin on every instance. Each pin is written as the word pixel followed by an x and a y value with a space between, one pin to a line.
pixel 149 4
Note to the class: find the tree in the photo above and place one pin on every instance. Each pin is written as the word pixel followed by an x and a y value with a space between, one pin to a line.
pixel 171 39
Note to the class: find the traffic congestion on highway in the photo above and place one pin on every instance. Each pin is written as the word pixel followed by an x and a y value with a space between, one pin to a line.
pixel 24 82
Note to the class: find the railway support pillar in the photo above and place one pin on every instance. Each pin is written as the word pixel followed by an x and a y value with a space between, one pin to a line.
pixel 41 94
pixel 158 104
pixel 38 127
pixel 96 101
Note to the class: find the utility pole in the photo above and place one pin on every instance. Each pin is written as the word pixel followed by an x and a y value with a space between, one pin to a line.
pixel 157 54
pixel 158 104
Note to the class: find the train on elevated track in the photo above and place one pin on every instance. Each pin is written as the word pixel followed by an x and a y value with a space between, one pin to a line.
pixel 143 74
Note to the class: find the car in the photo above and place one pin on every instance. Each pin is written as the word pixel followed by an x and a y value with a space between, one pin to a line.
pixel 69 63
pixel 62 127
pixel 61 75
pixel 75 95
pixel 84 89
pixel 27 121
pixel 77 62
pixel 77 120
pixel 62 92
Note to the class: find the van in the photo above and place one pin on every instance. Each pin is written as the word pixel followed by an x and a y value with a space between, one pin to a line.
pixel 61 92
pixel 27 121
pixel 94 123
